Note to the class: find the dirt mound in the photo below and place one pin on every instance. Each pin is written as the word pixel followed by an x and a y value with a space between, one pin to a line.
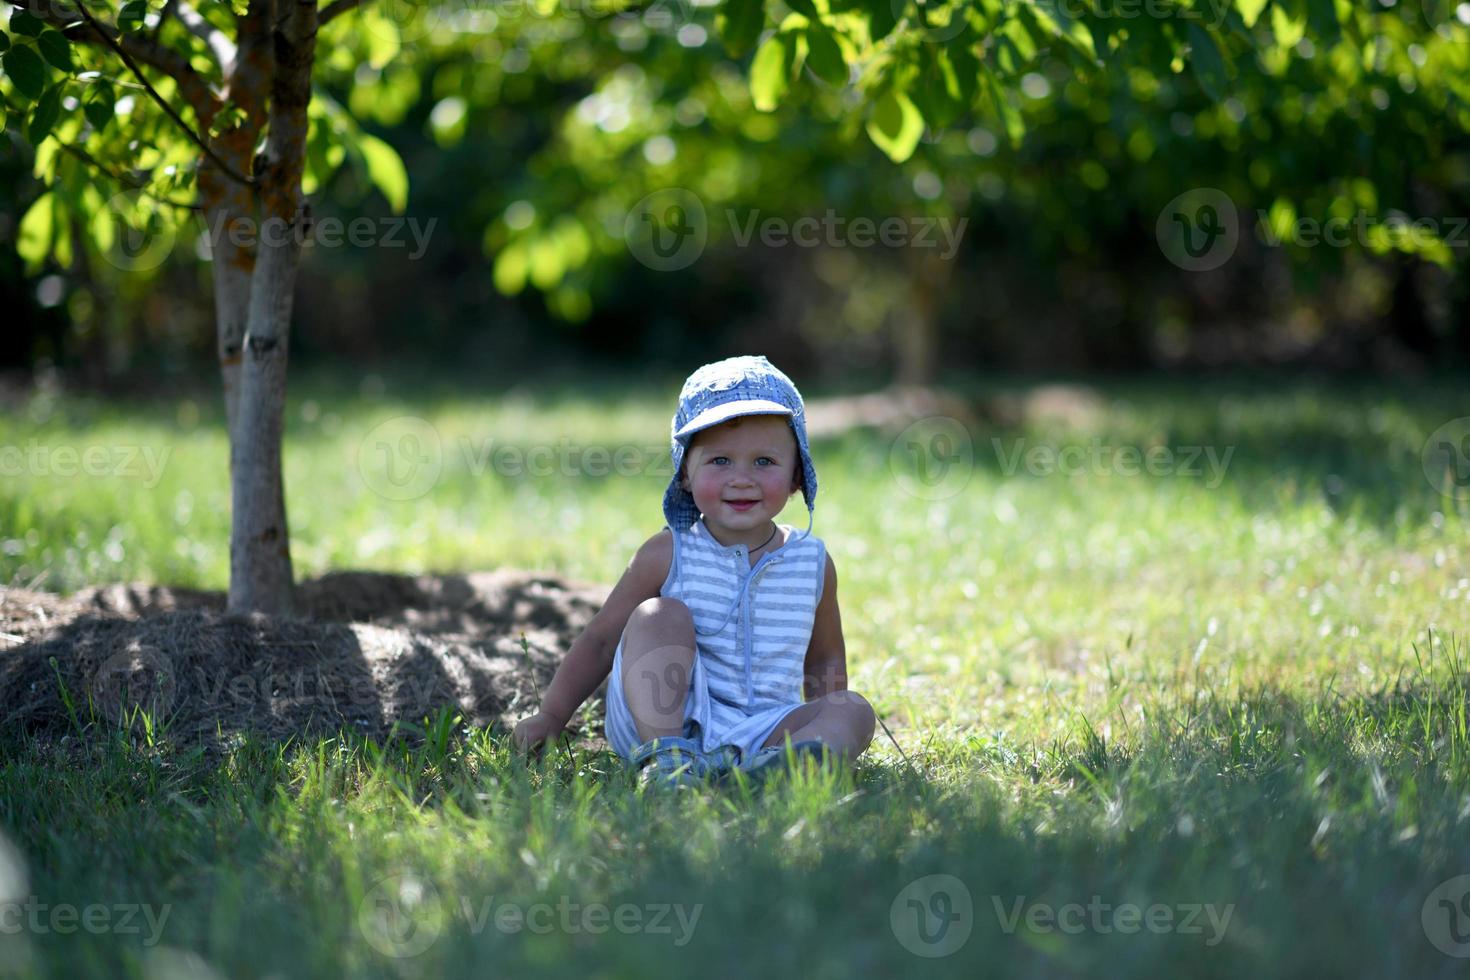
pixel 365 650
pixel 888 410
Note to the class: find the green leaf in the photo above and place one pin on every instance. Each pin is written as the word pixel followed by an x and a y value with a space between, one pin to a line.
pixel 769 73
pixel 1322 16
pixel 99 114
pixel 895 126
pixel 130 18
pixel 1288 27
pixel 228 118
pixel 56 49
pixel 939 91
pixel 380 33
pixel 101 107
pixel 1250 10
pixel 1010 116
pixel 966 72
pixel 1209 67
pixel 33 240
pixel 26 70
pixel 4 42
pixel 824 55
pixel 511 267
pixel 26 23
pixel 882 18
pixel 739 23
pixel 48 110
pixel 385 170
pixel 804 7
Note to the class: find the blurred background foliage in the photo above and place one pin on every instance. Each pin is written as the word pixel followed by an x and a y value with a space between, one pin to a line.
pixel 1052 139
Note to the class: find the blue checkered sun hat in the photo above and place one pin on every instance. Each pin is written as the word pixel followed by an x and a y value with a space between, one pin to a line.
pixel 724 390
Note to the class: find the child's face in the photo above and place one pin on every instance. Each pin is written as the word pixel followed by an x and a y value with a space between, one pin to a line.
pixel 743 471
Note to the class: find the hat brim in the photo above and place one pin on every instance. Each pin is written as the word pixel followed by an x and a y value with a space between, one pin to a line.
pixel 730 410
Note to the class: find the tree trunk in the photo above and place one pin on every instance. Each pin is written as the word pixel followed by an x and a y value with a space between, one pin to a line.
pixel 1407 322
pixel 260 552
pixel 915 325
pixel 229 207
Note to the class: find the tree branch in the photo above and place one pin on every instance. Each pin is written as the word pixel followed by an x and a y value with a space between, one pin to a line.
pixel 336 9
pixel 173 64
pixel 124 179
pixel 223 47
pixel 169 110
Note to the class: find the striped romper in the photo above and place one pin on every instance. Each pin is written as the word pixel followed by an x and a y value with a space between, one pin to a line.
pixel 752 627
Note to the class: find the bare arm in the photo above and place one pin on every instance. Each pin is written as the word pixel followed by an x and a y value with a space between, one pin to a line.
pixel 591 655
pixel 825 668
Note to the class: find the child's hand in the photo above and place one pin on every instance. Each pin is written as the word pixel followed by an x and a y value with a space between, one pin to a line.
pixel 532 731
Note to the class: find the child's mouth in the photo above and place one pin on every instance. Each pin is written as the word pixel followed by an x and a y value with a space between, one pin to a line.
pixel 741 505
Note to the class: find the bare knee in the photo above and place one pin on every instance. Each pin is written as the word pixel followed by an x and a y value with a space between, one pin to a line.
pixel 665 618
pixel 855 712
pixel 658 661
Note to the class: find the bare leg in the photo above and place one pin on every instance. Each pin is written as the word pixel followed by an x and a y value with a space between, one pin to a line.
pixel 658 661
pixel 843 720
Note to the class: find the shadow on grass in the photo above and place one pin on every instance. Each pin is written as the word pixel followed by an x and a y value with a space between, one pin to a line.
pixel 371 651
pixel 1252 833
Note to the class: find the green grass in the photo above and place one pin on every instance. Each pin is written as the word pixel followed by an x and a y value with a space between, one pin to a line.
pixel 1249 697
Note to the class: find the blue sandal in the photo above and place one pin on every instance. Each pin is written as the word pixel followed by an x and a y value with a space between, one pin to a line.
pixel 772 759
pixel 673 761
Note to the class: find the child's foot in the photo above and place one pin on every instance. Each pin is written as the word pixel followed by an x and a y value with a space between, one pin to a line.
pixel 673 761
pixel 772 759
